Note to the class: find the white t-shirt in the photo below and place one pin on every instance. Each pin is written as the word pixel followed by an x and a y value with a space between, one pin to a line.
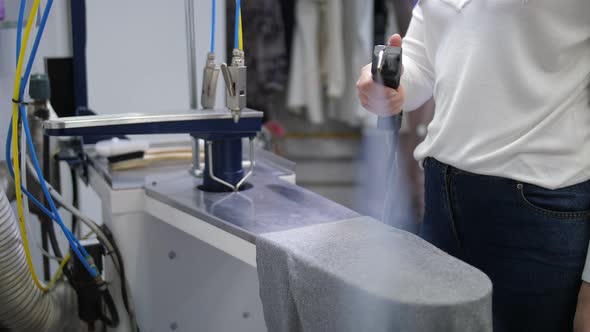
pixel 511 83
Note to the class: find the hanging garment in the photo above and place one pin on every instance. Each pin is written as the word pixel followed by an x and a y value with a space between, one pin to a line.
pixel 288 8
pixel 358 46
pixel 392 25
pixel 317 61
pixel 380 20
pixel 265 47
pixel 400 14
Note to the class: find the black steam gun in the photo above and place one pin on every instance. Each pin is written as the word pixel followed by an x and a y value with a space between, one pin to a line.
pixel 387 70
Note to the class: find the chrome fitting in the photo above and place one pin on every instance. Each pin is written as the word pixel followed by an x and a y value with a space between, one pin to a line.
pixel 210 77
pixel 235 81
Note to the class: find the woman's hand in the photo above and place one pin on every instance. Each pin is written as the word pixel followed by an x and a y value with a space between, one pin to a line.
pixel 582 318
pixel 376 98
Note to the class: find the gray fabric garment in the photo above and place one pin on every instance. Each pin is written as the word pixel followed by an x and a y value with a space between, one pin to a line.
pixel 361 275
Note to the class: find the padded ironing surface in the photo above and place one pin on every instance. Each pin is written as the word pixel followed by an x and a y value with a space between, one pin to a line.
pixel 362 275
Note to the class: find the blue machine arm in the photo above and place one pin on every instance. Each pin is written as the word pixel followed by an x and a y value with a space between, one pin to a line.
pixel 216 127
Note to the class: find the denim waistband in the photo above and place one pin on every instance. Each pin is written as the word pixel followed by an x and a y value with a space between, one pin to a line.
pixel 452 170
pixel 449 169
pixel 432 162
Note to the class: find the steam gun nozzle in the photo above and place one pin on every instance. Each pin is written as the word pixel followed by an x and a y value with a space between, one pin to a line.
pixel 210 77
pixel 235 82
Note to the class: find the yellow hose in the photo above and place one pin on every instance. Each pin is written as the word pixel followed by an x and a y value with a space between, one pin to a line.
pixel 62 265
pixel 15 148
pixel 57 274
pixel 240 33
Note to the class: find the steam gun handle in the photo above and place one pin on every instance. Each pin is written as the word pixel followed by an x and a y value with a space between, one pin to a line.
pixel 386 68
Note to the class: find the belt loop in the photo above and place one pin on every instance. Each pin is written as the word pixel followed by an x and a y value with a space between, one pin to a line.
pixel 449 176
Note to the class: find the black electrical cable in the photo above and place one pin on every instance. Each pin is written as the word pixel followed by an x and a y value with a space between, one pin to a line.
pixel 45 221
pixel 75 198
pixel 113 320
pixel 122 277
pixel 45 246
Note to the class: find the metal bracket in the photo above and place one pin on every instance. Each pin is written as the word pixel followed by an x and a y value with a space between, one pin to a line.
pixel 235 188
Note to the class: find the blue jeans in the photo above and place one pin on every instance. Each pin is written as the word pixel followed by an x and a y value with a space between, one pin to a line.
pixel 531 242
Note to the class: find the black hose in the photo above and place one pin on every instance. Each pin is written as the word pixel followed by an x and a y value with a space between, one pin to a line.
pixel 122 277
pixel 113 320
pixel 75 199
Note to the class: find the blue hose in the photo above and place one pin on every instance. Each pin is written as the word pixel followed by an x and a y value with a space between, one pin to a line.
pixel 70 237
pixel 78 249
pixel 74 243
pixel 213 14
pixel 33 53
pixel 8 148
pixel 237 28
pixel 19 31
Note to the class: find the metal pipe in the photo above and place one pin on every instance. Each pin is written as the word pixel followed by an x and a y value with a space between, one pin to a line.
pixel 189 9
pixel 195 169
pixel 189 12
pixel 6 182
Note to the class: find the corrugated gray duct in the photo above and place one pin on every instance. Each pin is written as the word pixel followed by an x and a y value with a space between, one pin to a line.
pixel 23 307
pixel 6 182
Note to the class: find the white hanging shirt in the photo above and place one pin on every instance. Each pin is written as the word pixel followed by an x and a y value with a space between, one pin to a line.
pixel 511 84
pixel 317 60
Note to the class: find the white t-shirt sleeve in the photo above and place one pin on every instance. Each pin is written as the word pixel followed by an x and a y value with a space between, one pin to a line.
pixel 418 77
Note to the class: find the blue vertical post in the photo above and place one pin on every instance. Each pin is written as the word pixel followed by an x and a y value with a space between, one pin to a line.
pixel 78 15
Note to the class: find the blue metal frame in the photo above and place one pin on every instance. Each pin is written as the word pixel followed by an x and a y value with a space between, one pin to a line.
pixel 226 137
pixel 224 134
pixel 209 129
